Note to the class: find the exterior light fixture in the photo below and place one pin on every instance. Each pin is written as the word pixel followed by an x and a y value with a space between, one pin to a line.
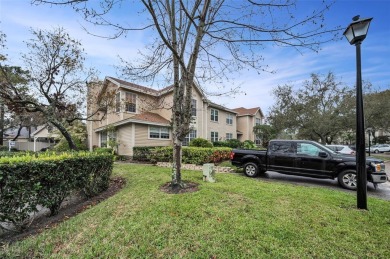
pixel 355 33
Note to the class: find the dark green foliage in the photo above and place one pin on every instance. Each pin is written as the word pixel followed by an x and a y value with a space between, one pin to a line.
pixel 142 153
pixel 232 143
pixel 160 154
pixel 63 145
pixel 32 180
pixel 249 144
pixel 191 155
pixel 265 133
pixel 382 139
pixel 200 142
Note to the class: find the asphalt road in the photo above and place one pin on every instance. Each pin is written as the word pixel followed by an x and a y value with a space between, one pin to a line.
pixel 382 191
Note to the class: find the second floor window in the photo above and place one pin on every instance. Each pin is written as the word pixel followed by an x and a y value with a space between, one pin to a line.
pixel 214 115
pixel 118 102
pixel 193 107
pixel 258 121
pixel 229 119
pixel 131 102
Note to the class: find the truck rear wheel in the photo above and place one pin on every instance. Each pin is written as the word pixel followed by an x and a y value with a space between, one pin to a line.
pixel 251 169
pixel 348 179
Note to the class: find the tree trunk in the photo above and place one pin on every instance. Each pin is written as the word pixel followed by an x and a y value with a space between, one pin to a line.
pixel 66 135
pixel 2 110
pixel 18 134
pixel 176 182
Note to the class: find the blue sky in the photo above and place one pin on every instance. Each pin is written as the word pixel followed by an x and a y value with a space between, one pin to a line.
pixel 290 66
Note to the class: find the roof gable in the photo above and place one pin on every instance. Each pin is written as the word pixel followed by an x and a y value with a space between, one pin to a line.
pixel 248 112
pixel 144 89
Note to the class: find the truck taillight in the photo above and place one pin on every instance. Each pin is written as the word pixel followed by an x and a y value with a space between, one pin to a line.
pixel 231 155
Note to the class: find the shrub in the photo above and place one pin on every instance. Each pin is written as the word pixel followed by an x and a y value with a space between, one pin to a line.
pixel 63 145
pixel 46 179
pixel 160 154
pixel 200 142
pixel 100 150
pixel 142 153
pixel 249 144
pixel 197 155
pixel 191 155
pixel 232 143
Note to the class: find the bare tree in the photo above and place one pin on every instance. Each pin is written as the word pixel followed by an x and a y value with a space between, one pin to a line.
pixel 55 84
pixel 205 41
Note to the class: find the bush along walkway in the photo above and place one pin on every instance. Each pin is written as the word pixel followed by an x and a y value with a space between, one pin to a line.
pixel 33 181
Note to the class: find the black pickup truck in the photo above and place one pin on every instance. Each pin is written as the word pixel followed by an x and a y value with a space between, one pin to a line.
pixel 306 158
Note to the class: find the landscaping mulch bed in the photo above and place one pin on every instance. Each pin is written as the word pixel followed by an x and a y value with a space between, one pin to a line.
pixel 78 205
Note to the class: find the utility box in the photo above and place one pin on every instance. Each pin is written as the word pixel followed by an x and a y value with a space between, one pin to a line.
pixel 208 173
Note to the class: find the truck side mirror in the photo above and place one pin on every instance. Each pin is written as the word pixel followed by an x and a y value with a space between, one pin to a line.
pixel 322 154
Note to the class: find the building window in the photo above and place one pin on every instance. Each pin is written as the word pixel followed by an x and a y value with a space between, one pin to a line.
pixel 118 102
pixel 193 107
pixel 159 132
pixel 103 139
pixel 214 136
pixel 229 136
pixel 107 137
pixel 258 121
pixel 229 119
pixel 189 137
pixel 214 115
pixel 257 141
pixel 131 102
pixel 111 138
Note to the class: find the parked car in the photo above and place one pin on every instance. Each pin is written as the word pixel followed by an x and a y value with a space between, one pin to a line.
pixel 342 149
pixel 379 148
pixel 309 159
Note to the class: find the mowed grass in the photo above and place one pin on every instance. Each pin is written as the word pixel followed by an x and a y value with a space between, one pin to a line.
pixel 236 217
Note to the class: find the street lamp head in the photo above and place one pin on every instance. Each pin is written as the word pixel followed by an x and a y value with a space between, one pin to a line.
pixel 356 32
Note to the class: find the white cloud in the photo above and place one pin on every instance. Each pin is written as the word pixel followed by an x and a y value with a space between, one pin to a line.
pixel 290 66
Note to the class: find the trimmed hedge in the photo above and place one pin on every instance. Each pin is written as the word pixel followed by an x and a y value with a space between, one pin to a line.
pixel 200 142
pixel 191 155
pixel 142 153
pixel 46 179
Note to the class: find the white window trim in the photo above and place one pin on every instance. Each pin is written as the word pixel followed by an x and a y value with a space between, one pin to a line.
pixel 125 102
pixel 215 110
pixel 211 138
pixel 159 138
pixel 229 116
pixel 120 102
pixel 230 134
pixel 189 135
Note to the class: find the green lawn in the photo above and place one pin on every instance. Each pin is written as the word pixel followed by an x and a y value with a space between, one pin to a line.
pixel 237 217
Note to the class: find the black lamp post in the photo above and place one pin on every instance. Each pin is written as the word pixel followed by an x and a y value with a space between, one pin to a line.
pixel 355 33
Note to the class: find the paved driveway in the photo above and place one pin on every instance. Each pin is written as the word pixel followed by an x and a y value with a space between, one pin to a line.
pixel 382 191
